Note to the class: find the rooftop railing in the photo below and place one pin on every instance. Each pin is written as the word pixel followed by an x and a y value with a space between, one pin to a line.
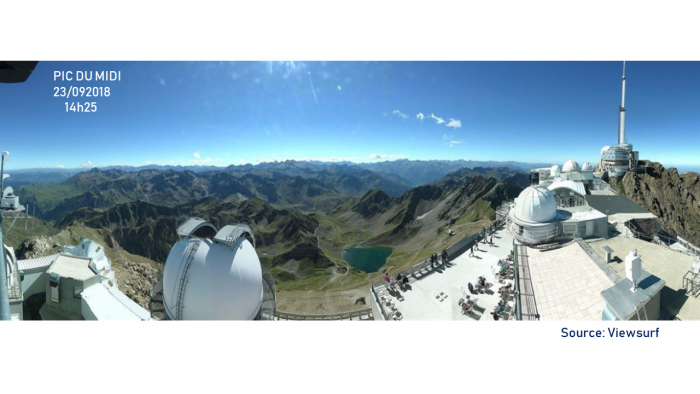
pixel 660 239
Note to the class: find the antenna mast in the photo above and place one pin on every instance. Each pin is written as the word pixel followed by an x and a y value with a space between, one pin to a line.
pixel 621 131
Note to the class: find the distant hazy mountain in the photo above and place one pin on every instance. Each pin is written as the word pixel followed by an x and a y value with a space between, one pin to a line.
pixel 400 173
pixel 420 172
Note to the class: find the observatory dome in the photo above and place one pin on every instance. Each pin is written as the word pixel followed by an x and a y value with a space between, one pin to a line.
pixel 570 166
pixel 535 204
pixel 554 171
pixel 219 279
pixel 606 147
pixel 586 167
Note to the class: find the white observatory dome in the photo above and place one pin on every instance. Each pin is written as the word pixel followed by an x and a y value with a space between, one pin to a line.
pixel 535 204
pixel 606 147
pixel 554 171
pixel 587 167
pixel 570 166
pixel 212 279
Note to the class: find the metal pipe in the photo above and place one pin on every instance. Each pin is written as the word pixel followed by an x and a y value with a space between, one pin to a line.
pixel 4 293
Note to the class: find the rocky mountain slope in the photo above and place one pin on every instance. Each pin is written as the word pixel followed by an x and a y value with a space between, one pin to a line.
pixel 674 198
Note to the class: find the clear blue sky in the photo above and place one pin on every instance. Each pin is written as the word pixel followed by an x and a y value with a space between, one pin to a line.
pixel 247 112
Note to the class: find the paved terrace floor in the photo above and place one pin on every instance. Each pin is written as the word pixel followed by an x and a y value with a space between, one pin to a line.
pixel 661 261
pixel 567 284
pixel 423 301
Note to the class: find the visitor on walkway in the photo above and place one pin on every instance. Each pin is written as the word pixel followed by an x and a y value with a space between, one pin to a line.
pixel 471 251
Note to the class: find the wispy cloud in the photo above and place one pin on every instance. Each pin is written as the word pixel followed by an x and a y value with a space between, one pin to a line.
pixel 439 120
pixel 86 164
pixel 162 82
pixel 147 162
pixel 447 137
pixel 420 117
pixel 453 143
pixel 399 114
pixel 381 156
pixel 197 155
pixel 454 123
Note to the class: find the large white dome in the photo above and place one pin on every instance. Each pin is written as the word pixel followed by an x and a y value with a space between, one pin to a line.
pixel 554 171
pixel 210 280
pixel 586 167
pixel 535 204
pixel 570 166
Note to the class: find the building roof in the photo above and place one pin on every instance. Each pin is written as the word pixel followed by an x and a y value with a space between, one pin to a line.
pixel 660 261
pixel 625 303
pixel 74 267
pixel 111 304
pixel 581 214
pixel 38 262
pixel 567 283
pixel 614 204
pixel 576 187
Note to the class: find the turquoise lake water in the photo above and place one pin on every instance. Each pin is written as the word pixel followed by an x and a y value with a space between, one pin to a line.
pixel 367 259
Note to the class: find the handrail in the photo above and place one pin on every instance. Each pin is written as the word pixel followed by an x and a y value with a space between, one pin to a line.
pixel 689 249
pixel 280 315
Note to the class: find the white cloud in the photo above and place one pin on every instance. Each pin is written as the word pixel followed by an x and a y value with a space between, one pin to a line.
pixel 86 164
pixel 447 137
pixel 453 143
pixel 197 155
pixel 162 82
pixel 380 156
pixel 326 159
pixel 399 114
pixel 437 119
pixel 208 160
pixel 454 123
pixel 147 162
pixel 420 116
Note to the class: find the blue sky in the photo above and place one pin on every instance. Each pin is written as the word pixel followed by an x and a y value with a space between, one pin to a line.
pixel 221 113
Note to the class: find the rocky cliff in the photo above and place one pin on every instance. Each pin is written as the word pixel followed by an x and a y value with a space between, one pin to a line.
pixel 674 198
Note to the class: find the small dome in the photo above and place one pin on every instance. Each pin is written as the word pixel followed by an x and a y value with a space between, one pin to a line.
pixel 606 147
pixel 535 204
pixel 570 166
pixel 587 167
pixel 212 280
pixel 554 171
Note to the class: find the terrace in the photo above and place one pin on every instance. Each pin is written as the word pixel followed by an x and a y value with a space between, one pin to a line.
pixel 434 293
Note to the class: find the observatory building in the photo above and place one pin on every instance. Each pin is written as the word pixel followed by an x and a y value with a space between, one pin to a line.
pixel 213 274
pixel 545 215
pixel 9 199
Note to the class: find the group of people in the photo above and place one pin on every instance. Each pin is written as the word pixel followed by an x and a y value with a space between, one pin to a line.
pixel 438 258
pixel 401 280
pixel 504 290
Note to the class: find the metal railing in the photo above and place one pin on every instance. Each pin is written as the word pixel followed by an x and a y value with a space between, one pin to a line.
pixel 361 314
pixel 660 239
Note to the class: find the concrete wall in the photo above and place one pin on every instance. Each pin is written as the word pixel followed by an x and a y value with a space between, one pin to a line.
pixel 34 282
pixel 69 305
